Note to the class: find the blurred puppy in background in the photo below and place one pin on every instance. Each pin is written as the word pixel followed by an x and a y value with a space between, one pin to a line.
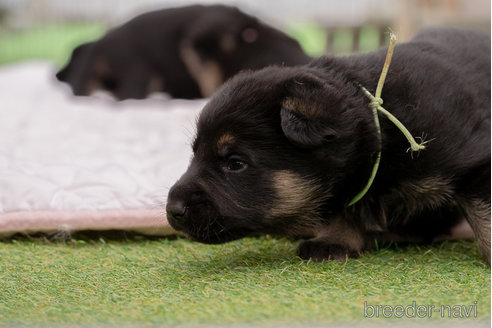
pixel 187 52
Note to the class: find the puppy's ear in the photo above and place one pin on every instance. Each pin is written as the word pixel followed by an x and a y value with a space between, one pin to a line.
pixel 304 113
pixel 304 132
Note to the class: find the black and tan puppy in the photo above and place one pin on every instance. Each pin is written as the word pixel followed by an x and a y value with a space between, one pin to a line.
pixel 187 52
pixel 283 151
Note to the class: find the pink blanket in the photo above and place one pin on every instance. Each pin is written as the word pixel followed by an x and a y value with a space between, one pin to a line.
pixel 86 163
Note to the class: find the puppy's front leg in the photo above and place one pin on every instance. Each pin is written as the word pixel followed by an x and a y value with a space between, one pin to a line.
pixel 335 241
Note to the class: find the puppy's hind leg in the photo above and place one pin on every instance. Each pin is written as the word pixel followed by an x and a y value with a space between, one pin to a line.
pixel 477 212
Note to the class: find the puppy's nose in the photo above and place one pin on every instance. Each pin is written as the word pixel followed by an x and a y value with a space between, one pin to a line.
pixel 175 209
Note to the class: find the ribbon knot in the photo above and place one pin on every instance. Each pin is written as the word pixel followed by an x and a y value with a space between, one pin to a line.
pixel 376 101
pixel 375 104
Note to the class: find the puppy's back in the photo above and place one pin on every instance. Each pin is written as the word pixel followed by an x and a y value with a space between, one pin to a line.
pixel 468 50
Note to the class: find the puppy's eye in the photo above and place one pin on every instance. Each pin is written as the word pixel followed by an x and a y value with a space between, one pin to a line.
pixel 236 165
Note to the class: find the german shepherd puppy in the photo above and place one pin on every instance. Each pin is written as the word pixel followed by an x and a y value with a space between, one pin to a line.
pixel 187 52
pixel 283 151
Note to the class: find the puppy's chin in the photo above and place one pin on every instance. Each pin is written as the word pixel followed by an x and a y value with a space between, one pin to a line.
pixel 203 222
pixel 220 237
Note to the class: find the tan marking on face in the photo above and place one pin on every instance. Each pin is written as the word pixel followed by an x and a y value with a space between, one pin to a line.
pixel 92 86
pixel 101 70
pixel 207 74
pixel 296 196
pixel 101 67
pixel 225 139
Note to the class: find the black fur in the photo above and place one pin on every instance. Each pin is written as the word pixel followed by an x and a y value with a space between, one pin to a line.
pixel 305 142
pixel 150 47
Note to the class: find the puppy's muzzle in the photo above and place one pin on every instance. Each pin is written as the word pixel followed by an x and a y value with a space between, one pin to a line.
pixel 177 207
pixel 176 211
pixel 186 205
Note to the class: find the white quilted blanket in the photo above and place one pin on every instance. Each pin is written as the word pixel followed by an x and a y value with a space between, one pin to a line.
pixel 86 163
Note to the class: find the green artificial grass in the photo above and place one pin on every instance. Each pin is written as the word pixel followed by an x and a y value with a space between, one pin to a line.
pixel 311 37
pixel 260 281
pixel 46 42
pixel 255 280
pixel 55 42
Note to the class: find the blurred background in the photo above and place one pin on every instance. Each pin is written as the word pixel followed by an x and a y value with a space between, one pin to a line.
pixel 50 29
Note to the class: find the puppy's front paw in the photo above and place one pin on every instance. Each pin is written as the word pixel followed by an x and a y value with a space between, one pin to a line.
pixel 321 250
